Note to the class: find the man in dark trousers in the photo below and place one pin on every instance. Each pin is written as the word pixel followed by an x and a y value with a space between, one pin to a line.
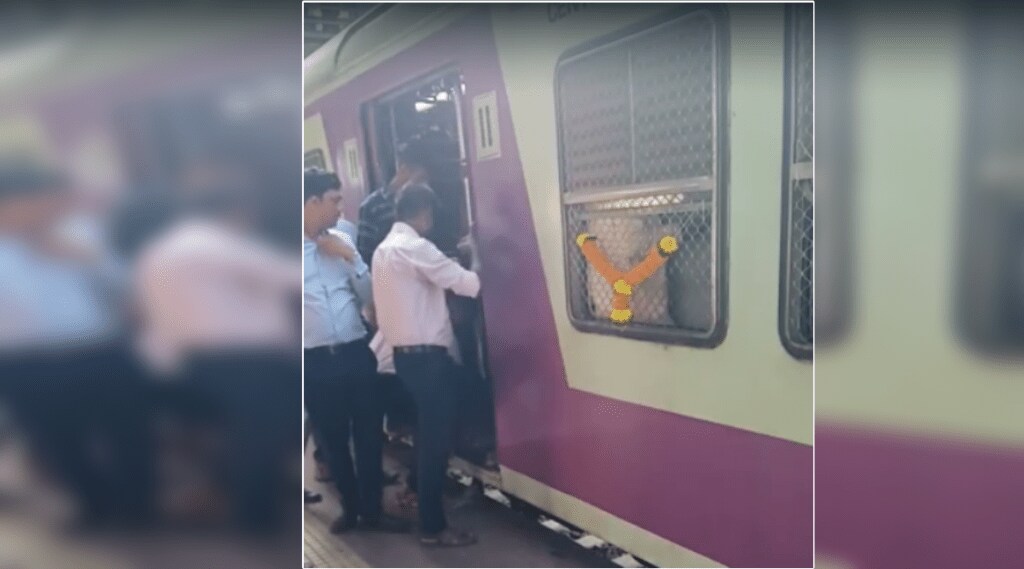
pixel 216 305
pixel 65 369
pixel 410 277
pixel 340 368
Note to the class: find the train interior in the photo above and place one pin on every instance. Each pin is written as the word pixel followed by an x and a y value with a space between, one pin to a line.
pixel 431 109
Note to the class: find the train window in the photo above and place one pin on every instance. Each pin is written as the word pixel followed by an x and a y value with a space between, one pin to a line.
pixel 991 232
pixel 640 149
pixel 315 159
pixel 835 173
pixel 796 276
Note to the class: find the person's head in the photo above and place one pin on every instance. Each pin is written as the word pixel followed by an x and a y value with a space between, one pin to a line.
pixel 322 200
pixel 219 188
pixel 415 207
pixel 32 197
pixel 413 163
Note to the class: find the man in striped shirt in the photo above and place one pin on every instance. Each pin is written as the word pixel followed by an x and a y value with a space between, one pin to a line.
pixel 377 212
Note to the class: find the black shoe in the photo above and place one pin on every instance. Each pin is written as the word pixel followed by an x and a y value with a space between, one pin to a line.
pixel 387 524
pixel 312 497
pixel 343 524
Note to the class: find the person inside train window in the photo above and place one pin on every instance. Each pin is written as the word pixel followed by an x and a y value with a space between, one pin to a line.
pixel 377 212
pixel 410 277
pixel 341 387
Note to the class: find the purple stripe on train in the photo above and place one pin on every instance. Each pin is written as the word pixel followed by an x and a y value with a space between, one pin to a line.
pixel 901 502
pixel 740 498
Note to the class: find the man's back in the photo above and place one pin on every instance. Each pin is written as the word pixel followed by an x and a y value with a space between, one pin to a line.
pixel 203 285
pixel 410 276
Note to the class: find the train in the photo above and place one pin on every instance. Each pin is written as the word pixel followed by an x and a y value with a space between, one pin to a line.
pixel 683 433
pixel 919 441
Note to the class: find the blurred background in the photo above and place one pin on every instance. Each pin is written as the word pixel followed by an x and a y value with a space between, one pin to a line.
pixel 919 285
pixel 149 285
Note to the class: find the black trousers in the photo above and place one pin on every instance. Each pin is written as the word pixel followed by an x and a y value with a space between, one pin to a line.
pixel 431 379
pixel 344 405
pixel 400 407
pixel 255 398
pixel 85 414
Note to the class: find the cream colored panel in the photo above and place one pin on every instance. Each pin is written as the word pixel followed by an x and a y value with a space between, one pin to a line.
pixel 314 138
pixel 749 381
pixel 902 346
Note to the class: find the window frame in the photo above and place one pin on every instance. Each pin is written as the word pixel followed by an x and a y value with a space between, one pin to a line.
pixel 718 16
pixel 979 195
pixel 795 349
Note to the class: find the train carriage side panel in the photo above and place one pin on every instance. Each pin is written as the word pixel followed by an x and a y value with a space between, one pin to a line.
pixel 919 437
pixel 748 382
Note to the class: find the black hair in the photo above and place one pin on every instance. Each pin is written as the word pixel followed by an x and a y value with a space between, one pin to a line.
pixel 318 182
pixel 415 152
pixel 413 200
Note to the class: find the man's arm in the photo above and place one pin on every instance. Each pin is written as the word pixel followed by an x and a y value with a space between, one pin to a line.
pixel 255 258
pixel 358 271
pixel 367 234
pixel 334 246
pixel 442 271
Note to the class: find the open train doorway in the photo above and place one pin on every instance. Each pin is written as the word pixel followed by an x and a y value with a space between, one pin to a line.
pixel 431 109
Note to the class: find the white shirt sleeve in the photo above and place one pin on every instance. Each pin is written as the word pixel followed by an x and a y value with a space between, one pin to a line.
pixel 258 260
pixel 433 265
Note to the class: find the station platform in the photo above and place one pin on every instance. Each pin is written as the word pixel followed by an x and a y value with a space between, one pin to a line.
pixel 507 538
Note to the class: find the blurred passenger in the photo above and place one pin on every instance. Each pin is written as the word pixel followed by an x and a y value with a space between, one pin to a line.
pixel 340 369
pixel 410 277
pixel 64 369
pixel 217 310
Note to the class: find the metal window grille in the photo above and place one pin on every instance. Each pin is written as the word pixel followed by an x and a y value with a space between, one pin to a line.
pixel 797 308
pixel 638 132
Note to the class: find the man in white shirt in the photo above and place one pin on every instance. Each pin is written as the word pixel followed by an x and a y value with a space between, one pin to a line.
pixel 217 312
pixel 410 277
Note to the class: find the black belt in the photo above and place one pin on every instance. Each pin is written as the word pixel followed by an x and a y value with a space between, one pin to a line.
pixel 333 348
pixel 421 349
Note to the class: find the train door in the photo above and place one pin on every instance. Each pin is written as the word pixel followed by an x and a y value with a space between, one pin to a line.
pixel 432 109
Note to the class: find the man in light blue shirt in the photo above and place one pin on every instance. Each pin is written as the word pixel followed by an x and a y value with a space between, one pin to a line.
pixel 64 371
pixel 335 290
pixel 340 368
